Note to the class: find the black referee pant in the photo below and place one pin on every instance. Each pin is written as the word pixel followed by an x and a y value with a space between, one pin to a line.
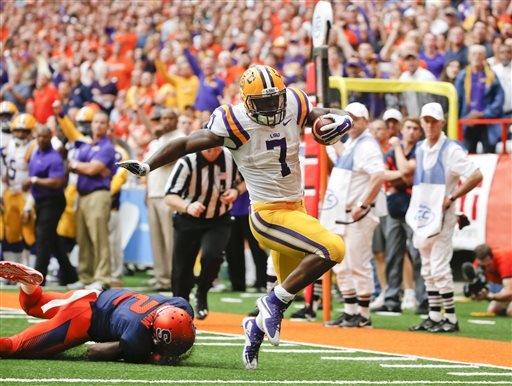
pixel 235 255
pixel 192 234
pixel 48 212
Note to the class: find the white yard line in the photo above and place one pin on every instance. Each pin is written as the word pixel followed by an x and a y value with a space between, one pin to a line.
pixel 244 382
pixel 368 358
pixel 427 366
pixel 487 374
pixel 306 351
pixel 239 344
pixel 478 321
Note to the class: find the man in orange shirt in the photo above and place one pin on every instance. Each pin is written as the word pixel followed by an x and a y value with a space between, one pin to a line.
pixel 497 265
pixel 44 96
pixel 120 67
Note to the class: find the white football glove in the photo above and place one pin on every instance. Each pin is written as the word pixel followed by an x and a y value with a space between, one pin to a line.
pixel 138 168
pixel 332 132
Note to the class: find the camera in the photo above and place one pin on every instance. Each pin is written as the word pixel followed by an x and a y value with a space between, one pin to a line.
pixel 476 280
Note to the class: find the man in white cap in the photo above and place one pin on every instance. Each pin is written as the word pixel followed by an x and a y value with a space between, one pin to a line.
pixel 350 210
pixel 393 119
pixel 440 162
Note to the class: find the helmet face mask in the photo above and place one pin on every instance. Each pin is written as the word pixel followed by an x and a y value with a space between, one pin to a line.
pixel 7 111
pixel 22 126
pixel 5 123
pixel 264 95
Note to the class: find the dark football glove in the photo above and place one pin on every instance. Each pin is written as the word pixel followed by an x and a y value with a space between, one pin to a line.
pixel 138 168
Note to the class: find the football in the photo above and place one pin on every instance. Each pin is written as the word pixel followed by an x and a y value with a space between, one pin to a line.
pixel 317 132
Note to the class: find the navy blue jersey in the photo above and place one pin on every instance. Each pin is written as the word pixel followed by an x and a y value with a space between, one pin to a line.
pixel 126 316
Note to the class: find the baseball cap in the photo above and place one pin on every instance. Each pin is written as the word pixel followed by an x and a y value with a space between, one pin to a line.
pixel 409 53
pixel 433 110
pixel 353 61
pixel 450 11
pixel 357 110
pixel 392 114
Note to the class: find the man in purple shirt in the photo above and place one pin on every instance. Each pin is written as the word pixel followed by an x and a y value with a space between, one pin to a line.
pixel 46 181
pixel 93 165
pixel 211 87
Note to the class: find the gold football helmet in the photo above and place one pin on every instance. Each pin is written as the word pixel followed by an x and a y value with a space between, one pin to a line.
pixel 263 92
pixel 7 111
pixel 24 122
pixel 84 118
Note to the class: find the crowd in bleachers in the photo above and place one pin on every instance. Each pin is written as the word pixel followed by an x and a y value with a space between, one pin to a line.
pixel 132 60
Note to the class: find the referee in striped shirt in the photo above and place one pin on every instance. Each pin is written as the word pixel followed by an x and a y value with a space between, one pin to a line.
pixel 201 189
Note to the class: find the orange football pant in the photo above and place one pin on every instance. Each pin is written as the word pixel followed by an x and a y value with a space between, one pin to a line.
pixel 69 318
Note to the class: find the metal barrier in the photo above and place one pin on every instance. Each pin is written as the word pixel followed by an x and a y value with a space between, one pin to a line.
pixel 504 122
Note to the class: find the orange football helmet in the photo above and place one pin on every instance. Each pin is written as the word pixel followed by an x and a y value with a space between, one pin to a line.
pixel 263 92
pixel 174 332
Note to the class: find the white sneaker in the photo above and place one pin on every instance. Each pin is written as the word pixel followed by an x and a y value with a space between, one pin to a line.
pixel 409 300
pixel 76 285
pixel 95 285
pixel 378 302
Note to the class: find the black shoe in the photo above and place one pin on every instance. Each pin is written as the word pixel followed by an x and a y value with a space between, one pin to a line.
pixel 254 313
pixel 337 322
pixel 445 326
pixel 304 314
pixel 386 308
pixel 426 325
pixel 201 307
pixel 353 321
pixel 364 322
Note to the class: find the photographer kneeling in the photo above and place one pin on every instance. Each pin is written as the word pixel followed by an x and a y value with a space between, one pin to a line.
pixel 497 267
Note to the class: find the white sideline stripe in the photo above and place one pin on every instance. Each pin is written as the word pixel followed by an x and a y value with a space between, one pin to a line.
pixel 231 300
pixel 250 295
pixel 239 344
pixel 368 358
pixel 470 374
pixel 219 338
pixel 306 351
pixel 477 321
pixel 245 382
pixel 387 365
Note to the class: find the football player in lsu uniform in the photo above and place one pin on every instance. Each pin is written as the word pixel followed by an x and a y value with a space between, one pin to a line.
pixel 18 215
pixel 263 134
pixel 130 326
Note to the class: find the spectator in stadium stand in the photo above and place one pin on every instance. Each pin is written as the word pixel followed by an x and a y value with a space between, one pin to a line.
pixel 15 91
pixel 44 96
pixel 497 265
pixel 503 71
pixel 433 59
pixel 47 178
pixel 104 89
pixel 479 36
pixel 185 123
pixel 450 72
pixel 80 93
pixel 184 81
pixel 480 96
pixel 457 50
pixel 497 41
pixel 120 66
pixel 145 91
pixel 414 100
pixel 211 87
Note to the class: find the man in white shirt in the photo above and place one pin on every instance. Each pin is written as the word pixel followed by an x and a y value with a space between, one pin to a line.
pixel 503 71
pixel 413 100
pixel 354 185
pixel 159 214
pixel 440 163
